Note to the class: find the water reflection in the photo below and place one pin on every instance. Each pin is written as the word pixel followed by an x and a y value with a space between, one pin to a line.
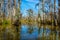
pixel 37 32
pixel 30 32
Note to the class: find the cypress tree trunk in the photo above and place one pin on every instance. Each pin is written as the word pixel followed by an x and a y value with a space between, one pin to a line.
pixel 59 16
pixel 59 12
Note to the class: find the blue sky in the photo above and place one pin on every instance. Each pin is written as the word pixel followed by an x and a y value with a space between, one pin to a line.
pixel 30 4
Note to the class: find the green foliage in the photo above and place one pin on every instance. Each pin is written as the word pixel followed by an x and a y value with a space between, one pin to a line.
pixel 6 22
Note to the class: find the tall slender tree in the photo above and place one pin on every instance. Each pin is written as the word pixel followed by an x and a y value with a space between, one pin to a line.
pixel 59 15
pixel 1 5
pixel 14 6
pixel 4 9
pixel 14 11
pixel 55 15
pixel 19 3
pixel 30 13
pixel 59 12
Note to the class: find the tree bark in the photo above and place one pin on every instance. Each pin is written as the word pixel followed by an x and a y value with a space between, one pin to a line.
pixel 59 16
pixel 59 12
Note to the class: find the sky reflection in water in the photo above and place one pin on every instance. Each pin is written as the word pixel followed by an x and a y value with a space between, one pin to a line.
pixel 35 32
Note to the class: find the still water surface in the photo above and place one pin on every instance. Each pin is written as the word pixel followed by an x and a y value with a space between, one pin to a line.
pixel 30 32
pixel 35 32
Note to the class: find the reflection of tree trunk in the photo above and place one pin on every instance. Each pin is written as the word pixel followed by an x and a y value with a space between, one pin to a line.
pixel 39 27
pixel 17 27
